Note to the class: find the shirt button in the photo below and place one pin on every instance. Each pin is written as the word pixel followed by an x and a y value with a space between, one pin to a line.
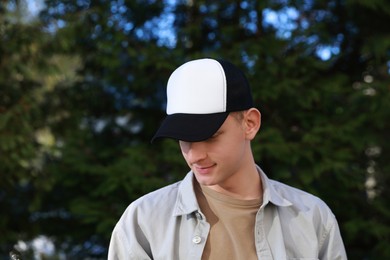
pixel 196 239
pixel 198 215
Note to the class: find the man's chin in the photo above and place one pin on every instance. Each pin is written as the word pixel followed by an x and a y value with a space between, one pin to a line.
pixel 204 181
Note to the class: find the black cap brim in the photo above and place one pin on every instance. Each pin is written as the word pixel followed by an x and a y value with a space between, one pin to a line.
pixel 190 127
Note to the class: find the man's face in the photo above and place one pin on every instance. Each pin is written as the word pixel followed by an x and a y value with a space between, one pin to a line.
pixel 222 159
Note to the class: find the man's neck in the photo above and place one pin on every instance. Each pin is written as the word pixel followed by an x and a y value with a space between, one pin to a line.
pixel 246 186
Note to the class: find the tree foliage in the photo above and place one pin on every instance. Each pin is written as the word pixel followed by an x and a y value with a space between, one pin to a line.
pixel 83 90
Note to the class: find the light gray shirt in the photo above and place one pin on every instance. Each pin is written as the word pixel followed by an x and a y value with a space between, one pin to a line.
pixel 168 224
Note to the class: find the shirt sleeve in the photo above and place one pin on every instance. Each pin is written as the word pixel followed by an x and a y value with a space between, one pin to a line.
pixel 332 246
pixel 128 240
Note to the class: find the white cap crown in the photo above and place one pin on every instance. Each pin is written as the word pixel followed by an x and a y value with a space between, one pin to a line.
pixel 197 87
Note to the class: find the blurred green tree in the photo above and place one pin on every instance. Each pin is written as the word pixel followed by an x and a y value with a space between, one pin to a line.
pixel 29 74
pixel 83 90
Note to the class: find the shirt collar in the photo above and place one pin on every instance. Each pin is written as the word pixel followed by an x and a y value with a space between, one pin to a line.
pixel 270 194
pixel 186 202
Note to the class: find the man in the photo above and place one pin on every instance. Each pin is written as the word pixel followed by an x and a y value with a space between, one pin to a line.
pixel 226 207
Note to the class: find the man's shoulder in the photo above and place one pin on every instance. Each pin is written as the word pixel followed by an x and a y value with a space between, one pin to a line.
pixel 301 200
pixel 165 195
pixel 151 206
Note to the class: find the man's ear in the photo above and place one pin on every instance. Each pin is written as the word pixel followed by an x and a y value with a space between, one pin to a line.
pixel 252 123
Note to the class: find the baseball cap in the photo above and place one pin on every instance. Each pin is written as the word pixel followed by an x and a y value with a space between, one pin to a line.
pixel 200 95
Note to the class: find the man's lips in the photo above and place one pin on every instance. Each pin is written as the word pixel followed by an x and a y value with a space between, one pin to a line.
pixel 203 169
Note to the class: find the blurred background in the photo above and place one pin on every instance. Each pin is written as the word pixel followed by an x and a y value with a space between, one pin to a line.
pixel 82 91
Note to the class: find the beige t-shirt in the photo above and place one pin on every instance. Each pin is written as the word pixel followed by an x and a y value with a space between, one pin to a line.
pixel 232 223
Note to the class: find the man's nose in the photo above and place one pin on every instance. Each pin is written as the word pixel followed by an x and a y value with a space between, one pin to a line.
pixel 196 152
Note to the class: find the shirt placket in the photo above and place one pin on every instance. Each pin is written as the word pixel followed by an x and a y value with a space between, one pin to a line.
pixel 199 237
pixel 262 248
